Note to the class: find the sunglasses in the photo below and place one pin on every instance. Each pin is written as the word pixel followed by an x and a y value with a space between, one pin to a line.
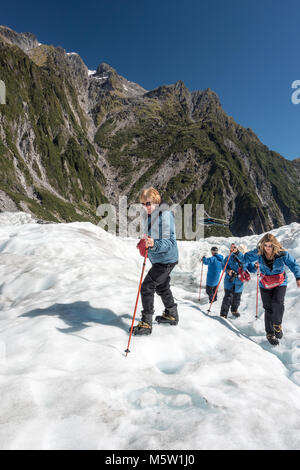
pixel 147 204
pixel 268 246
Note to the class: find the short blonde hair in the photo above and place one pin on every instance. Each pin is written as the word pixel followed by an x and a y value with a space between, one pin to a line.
pixel 268 237
pixel 152 194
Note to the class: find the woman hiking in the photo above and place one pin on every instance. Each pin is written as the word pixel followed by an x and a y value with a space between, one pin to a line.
pixel 236 274
pixel 161 242
pixel 271 258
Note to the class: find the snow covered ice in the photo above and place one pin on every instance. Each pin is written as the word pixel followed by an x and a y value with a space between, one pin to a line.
pixel 67 295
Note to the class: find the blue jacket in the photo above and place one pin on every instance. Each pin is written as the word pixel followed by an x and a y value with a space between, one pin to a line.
pixel 233 264
pixel 162 230
pixel 214 264
pixel 282 259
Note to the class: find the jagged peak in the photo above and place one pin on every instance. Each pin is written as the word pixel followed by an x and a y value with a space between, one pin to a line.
pixel 209 91
pixel 206 95
pixel 105 68
pixel 177 88
pixel 108 78
pixel 25 41
pixel 180 86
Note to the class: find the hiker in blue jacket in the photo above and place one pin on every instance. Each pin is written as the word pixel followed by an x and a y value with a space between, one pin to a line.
pixel 159 227
pixel 214 264
pixel 271 258
pixel 233 286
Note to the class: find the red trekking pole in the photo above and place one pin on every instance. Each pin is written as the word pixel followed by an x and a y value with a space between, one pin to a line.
pixel 231 251
pixel 257 286
pixel 136 303
pixel 201 280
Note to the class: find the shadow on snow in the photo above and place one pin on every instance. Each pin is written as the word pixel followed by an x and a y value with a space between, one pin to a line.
pixel 80 315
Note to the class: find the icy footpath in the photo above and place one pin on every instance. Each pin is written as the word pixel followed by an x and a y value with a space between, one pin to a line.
pixel 289 350
pixel 67 293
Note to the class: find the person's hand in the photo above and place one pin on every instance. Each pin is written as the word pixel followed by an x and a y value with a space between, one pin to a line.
pixel 149 242
pixel 298 283
pixel 229 271
pixel 256 264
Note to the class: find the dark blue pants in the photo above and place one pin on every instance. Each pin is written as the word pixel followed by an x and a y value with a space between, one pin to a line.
pixel 210 290
pixel 273 303
pixel 231 299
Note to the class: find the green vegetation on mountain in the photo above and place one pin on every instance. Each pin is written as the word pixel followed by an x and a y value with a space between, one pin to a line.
pixel 69 142
pixel 37 104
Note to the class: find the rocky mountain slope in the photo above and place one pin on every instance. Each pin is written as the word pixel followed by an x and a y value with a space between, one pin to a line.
pixel 71 139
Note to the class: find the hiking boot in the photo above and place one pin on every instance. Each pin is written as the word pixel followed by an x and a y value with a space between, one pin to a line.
pixel 278 331
pixel 272 339
pixel 169 316
pixel 223 315
pixel 236 314
pixel 144 327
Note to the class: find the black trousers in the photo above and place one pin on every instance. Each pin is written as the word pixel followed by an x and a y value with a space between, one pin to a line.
pixel 157 280
pixel 210 290
pixel 231 299
pixel 273 303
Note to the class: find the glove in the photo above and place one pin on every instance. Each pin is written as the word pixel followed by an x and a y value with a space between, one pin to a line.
pixel 142 247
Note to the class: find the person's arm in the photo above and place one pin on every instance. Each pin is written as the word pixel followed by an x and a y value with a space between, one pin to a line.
pixel 224 262
pixel 168 239
pixel 205 260
pixel 251 256
pixel 292 264
pixel 251 267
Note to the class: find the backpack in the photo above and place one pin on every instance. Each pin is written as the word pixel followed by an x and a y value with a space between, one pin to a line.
pixel 243 276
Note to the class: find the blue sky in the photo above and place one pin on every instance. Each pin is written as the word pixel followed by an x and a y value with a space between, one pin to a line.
pixel 247 51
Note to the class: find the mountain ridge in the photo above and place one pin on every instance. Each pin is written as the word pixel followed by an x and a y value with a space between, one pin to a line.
pixel 85 138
